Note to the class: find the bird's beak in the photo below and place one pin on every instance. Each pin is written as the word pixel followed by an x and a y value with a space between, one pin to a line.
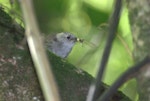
pixel 74 39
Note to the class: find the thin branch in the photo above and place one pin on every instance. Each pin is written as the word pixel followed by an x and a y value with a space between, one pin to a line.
pixel 94 91
pixel 125 45
pixel 129 74
pixel 39 57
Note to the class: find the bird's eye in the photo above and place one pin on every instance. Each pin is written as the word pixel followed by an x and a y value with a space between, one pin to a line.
pixel 68 37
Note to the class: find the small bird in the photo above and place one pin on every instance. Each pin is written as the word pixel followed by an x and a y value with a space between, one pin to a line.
pixel 61 44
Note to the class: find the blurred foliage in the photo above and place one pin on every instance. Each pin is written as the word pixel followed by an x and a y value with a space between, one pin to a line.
pixel 87 19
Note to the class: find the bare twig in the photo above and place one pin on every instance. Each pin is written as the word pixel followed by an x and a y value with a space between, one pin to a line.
pixel 94 91
pixel 129 74
pixel 125 45
pixel 38 53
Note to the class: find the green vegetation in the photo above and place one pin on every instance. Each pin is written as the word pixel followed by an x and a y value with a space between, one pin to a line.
pixel 87 20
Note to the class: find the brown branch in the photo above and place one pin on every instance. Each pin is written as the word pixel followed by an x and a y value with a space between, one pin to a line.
pixel 39 57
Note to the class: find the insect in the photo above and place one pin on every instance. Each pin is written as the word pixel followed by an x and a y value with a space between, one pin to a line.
pixel 86 42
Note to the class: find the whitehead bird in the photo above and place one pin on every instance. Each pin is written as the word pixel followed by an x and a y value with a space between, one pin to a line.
pixel 61 44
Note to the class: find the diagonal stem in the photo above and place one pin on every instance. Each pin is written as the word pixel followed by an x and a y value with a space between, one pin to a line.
pixel 94 91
